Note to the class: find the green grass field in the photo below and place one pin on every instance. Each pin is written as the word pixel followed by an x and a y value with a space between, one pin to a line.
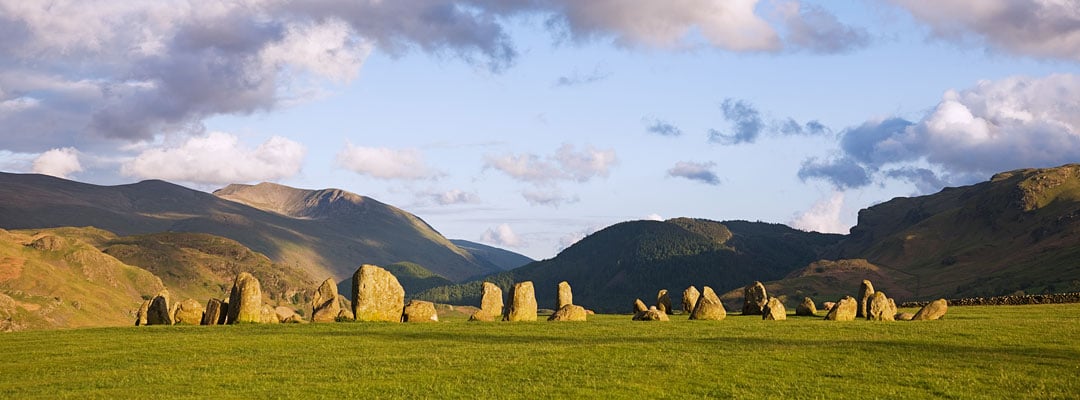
pixel 976 352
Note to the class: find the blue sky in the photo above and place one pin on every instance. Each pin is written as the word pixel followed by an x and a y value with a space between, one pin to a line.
pixel 528 124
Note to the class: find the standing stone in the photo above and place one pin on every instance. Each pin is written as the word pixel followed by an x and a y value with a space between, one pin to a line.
pixel 689 299
pixel 491 304
pixel 935 310
pixel 806 308
pixel 324 304
pixel 663 302
pixel 140 318
pixel 865 291
pixel 377 295
pixel 522 304
pixel 774 310
pixel 708 306
pixel 880 308
pixel 652 314
pixel 565 296
pixel 245 300
pixel 569 312
pixel 189 312
pixel 160 311
pixel 216 312
pixel 268 315
pixel 420 311
pixel 844 310
pixel 640 307
pixel 754 298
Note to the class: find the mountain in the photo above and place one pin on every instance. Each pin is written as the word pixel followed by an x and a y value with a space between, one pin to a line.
pixel 629 260
pixel 503 259
pixel 323 233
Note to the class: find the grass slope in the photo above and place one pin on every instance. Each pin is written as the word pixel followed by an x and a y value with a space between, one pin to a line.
pixel 976 353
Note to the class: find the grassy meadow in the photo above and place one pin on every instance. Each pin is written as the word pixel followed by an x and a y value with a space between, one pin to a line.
pixel 976 352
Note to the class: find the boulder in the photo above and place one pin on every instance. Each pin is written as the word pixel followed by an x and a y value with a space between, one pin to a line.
pixel 245 300
pixel 522 304
pixel 160 311
pixel 283 313
pixel 935 310
pixel 325 306
pixel 844 310
pixel 491 304
pixel 652 314
pixel 904 316
pixel 774 310
pixel 865 291
pixel 689 299
pixel 294 319
pixel 806 308
pixel 419 311
pixel 377 295
pixel 140 317
pixel 345 315
pixel 828 306
pixel 216 312
pixel 569 312
pixel 565 296
pixel 708 306
pixel 268 315
pixel 754 298
pixel 640 307
pixel 663 302
pixel 189 312
pixel 880 308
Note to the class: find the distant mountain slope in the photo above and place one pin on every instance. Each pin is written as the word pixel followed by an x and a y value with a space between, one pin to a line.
pixel 503 259
pixel 612 267
pixel 329 233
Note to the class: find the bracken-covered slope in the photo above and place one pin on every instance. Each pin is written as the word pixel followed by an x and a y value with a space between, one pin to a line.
pixel 612 267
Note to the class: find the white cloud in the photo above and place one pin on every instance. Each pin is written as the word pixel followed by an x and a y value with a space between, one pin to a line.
pixel 701 172
pixel 453 196
pixel 502 235
pixel 219 158
pixel 566 164
pixel 654 217
pixel 325 49
pixel 60 163
pixel 571 238
pixel 385 163
pixel 525 167
pixel 824 216
pixel 586 164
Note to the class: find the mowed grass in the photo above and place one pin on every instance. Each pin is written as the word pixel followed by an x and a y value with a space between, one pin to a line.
pixel 976 352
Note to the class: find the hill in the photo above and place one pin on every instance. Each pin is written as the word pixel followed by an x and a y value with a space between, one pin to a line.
pixel 629 260
pixel 503 259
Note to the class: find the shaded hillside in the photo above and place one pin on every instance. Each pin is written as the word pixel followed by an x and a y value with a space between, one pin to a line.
pixel 824 280
pixel 51 280
pixel 612 267
pixel 503 259
pixel 337 232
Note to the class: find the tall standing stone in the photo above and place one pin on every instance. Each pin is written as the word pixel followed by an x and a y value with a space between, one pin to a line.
pixel 216 312
pixel 324 304
pixel 491 304
pixel 807 308
pixel 774 310
pixel 844 310
pixel 708 306
pixel 689 299
pixel 754 298
pixel 935 310
pixel 189 312
pixel 377 295
pixel 522 304
pixel 160 310
pixel 879 308
pixel 140 318
pixel 663 302
pixel 245 300
pixel 420 311
pixel 865 291
pixel 565 296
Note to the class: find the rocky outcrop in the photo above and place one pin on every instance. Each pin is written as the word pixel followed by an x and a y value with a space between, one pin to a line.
pixel 754 298
pixel 708 306
pixel 652 314
pixel 377 295
pixel 160 310
pixel 324 304
pixel 689 299
pixel 880 308
pixel 522 303
pixel 844 310
pixel 491 304
pixel 420 311
pixel 866 289
pixel 935 310
pixel 216 312
pixel 189 312
pixel 806 308
pixel 48 243
pixel 569 312
pixel 565 296
pixel 245 300
pixel 774 310
pixel 663 302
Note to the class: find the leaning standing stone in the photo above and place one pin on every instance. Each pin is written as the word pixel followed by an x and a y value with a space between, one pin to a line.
pixel 754 298
pixel 216 312
pixel 880 308
pixel 523 303
pixel 377 295
pixel 420 311
pixel 640 307
pixel 806 308
pixel 569 312
pixel 245 300
pixel 324 305
pixel 189 312
pixel 844 310
pixel 140 318
pixel 865 291
pixel 774 310
pixel 689 299
pixel 565 296
pixel 708 306
pixel 663 302
pixel 160 311
pixel 491 304
pixel 935 310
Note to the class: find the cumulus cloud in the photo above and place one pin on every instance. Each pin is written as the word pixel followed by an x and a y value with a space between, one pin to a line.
pixel 60 163
pixel 219 158
pixel 663 128
pixel 824 216
pixel 566 164
pixel 1038 28
pixel 503 236
pixel 701 172
pixel 384 163
pixel 748 124
pixel 1017 122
